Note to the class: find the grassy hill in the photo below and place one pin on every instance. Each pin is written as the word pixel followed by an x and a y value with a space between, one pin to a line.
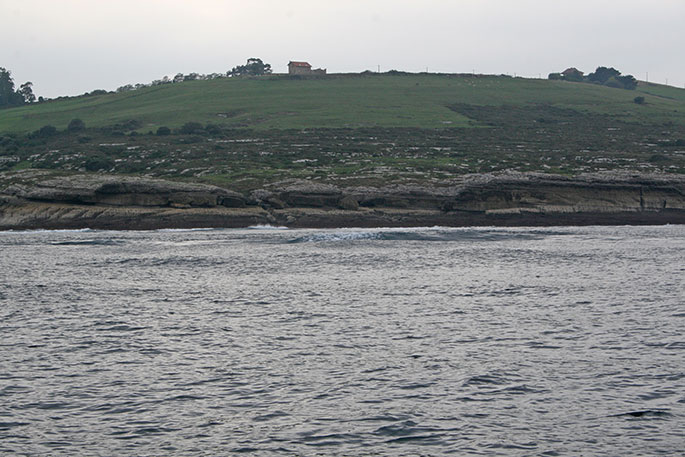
pixel 365 129
pixel 344 101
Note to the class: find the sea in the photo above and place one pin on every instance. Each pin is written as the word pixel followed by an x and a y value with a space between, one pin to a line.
pixel 563 341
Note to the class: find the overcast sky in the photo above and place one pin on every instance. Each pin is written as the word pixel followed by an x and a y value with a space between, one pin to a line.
pixel 68 47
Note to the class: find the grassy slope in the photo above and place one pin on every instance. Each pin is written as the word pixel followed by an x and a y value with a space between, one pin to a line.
pixel 344 101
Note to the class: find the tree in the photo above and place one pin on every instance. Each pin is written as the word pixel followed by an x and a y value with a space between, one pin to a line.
pixel 8 97
pixel 6 87
pixel 254 67
pixel 628 81
pixel 26 92
pixel 603 74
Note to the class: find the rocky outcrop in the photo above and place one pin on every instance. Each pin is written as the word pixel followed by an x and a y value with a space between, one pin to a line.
pixel 506 193
pixel 126 191
pixel 114 202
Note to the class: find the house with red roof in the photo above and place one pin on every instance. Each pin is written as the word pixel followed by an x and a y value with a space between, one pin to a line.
pixel 304 68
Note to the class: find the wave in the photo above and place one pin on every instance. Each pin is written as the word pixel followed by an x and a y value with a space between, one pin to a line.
pixel 38 231
pixel 267 227
pixel 423 234
pixel 105 242
pixel 648 413
pixel 199 229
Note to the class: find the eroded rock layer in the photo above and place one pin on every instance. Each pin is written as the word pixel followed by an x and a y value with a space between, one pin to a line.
pixel 115 202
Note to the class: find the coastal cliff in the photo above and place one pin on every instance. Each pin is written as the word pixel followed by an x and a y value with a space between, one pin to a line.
pixel 136 203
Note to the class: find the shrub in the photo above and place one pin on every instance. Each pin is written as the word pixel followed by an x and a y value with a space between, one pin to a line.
pixel 639 100
pixel 163 131
pixel 658 158
pixel 98 163
pixel 555 76
pixel 45 131
pixel 213 129
pixel 6 141
pixel 131 124
pixel 76 125
pixel 191 127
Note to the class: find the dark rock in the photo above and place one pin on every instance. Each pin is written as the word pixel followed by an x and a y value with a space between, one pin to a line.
pixel 349 203
pixel 127 191
pixel 307 194
pixel 507 199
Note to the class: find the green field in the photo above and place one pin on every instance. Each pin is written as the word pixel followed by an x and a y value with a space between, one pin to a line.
pixel 343 101
pixel 351 130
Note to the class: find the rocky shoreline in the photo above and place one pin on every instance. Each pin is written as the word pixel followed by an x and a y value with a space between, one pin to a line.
pixel 513 199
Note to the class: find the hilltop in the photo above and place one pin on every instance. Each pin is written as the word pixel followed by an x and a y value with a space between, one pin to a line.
pixel 343 101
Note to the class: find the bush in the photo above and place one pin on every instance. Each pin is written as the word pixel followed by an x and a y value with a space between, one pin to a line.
pixel 639 100
pixel 76 125
pixel 213 129
pixel 555 76
pixel 6 141
pixel 45 131
pixel 190 128
pixel 163 131
pixel 131 124
pixel 658 158
pixel 98 163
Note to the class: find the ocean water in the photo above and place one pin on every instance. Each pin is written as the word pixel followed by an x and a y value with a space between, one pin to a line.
pixel 489 341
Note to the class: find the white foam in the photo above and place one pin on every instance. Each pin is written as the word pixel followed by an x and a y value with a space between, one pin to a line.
pixel 205 229
pixel 341 236
pixel 267 227
pixel 48 231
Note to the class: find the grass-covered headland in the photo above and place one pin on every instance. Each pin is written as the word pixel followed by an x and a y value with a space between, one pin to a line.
pixel 350 129
pixel 347 150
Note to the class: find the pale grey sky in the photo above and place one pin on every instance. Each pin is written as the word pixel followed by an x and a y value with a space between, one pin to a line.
pixel 67 47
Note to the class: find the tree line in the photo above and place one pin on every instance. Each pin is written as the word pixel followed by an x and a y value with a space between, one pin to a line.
pixel 606 76
pixel 253 67
pixel 9 96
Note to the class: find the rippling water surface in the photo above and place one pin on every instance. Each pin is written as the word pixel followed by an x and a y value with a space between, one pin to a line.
pixel 562 341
